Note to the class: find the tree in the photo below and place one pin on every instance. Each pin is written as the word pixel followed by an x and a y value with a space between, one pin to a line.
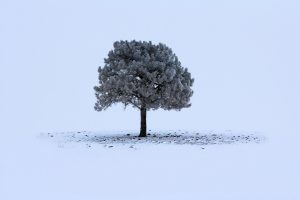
pixel 145 76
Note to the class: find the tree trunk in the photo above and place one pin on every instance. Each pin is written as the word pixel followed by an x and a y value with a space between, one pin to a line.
pixel 143 131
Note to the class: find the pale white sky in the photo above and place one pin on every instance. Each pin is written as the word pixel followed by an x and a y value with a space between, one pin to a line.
pixel 244 56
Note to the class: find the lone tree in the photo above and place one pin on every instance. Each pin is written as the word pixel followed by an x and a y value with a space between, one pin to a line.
pixel 144 75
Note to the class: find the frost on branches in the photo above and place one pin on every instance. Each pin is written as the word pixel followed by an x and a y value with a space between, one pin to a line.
pixel 145 76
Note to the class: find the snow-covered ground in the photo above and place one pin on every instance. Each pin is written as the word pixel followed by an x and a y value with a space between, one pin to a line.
pixel 44 167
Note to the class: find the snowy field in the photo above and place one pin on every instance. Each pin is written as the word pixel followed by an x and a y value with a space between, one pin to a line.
pixel 240 139
pixel 45 167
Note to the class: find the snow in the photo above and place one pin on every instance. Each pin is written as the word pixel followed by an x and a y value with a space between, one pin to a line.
pixel 244 56
pixel 43 168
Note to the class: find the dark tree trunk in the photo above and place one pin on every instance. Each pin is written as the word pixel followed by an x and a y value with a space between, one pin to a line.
pixel 143 131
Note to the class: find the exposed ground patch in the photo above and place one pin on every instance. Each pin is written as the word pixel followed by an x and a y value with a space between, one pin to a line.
pixel 156 138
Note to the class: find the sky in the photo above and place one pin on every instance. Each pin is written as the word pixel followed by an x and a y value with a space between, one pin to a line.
pixel 243 55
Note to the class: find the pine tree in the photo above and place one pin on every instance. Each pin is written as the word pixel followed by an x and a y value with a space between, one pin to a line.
pixel 145 76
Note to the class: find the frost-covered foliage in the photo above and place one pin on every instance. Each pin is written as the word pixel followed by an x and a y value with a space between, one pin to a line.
pixel 143 75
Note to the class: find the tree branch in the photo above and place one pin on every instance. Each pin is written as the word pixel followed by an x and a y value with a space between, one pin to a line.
pixel 134 104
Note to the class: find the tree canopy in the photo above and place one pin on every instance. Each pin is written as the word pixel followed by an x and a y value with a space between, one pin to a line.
pixel 144 75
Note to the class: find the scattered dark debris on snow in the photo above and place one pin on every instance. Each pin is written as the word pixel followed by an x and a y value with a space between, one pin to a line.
pixel 183 138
